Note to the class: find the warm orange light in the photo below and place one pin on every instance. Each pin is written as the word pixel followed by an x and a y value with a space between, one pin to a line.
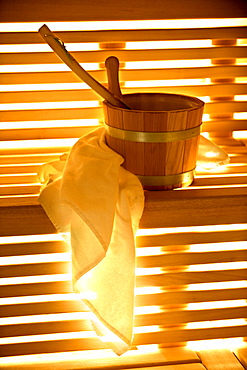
pixel 43 67
pixel 189 229
pixel 217 286
pixel 42 48
pixel 39 143
pixel 212 344
pixel 168 64
pixel 49 124
pixel 116 25
pixel 164 83
pixel 50 105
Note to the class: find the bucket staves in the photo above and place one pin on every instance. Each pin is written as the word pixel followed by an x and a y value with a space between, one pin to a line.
pixel 158 138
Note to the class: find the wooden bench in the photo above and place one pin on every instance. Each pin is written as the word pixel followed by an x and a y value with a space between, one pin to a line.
pixel 194 239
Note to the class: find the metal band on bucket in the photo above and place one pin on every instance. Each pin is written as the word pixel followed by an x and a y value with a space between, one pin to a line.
pixel 152 137
pixel 180 178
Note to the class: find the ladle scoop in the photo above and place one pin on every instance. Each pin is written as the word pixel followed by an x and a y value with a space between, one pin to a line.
pixel 59 48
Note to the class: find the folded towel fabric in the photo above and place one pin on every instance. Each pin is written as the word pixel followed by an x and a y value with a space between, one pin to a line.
pixel 96 204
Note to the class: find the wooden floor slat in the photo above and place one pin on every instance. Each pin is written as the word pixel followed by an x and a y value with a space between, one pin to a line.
pixel 219 359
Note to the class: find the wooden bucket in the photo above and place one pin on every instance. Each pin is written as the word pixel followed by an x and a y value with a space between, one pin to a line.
pixel 158 138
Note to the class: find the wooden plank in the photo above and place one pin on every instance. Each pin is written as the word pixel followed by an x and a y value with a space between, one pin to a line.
pixel 12 11
pixel 130 35
pixel 18 189
pixel 24 200
pixel 165 319
pixel 175 316
pixel 26 163
pixel 41 308
pixel 185 335
pixel 20 249
pixel 205 207
pixel 33 220
pixel 50 346
pixel 182 297
pixel 128 75
pixel 174 367
pixel 22 290
pixel 134 357
pixel 184 278
pixel 11 223
pixel 223 89
pixel 18 179
pixel 219 359
pixel 128 55
pixel 44 133
pixel 51 114
pixel 241 354
pixel 192 237
pixel 34 269
pixel 186 258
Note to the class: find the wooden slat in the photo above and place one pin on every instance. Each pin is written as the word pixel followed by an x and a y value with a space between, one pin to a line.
pixel 128 75
pixel 203 211
pixel 184 278
pixel 241 353
pixel 185 335
pixel 51 346
pixel 214 359
pixel 33 248
pixel 220 204
pixel 187 258
pixel 22 162
pixel 27 189
pixel 35 289
pixel 18 179
pixel 13 11
pixel 41 308
pixel 44 133
pixel 135 357
pixel 183 316
pixel 52 114
pixel 70 95
pixel 166 336
pixel 34 269
pixel 130 35
pixel 175 367
pixel 165 318
pixel 183 297
pixel 129 55
pixel 77 132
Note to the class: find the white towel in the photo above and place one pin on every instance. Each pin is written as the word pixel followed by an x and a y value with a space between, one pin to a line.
pixel 97 205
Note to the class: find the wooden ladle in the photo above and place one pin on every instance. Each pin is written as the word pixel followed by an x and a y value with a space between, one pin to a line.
pixel 58 46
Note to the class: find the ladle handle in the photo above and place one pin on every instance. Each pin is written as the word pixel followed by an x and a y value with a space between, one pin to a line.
pixel 58 46
pixel 112 68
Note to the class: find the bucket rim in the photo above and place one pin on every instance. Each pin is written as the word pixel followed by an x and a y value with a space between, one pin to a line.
pixel 196 100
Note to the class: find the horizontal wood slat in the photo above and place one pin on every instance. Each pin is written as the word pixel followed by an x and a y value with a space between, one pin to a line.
pixel 220 205
pixel 77 132
pixel 186 258
pixel 12 11
pixel 222 33
pixel 182 335
pixel 128 75
pixel 167 336
pixel 135 357
pixel 96 113
pixel 70 95
pixel 163 319
pixel 128 55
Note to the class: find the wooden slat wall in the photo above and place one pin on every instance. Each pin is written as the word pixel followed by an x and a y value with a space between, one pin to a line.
pixel 195 239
